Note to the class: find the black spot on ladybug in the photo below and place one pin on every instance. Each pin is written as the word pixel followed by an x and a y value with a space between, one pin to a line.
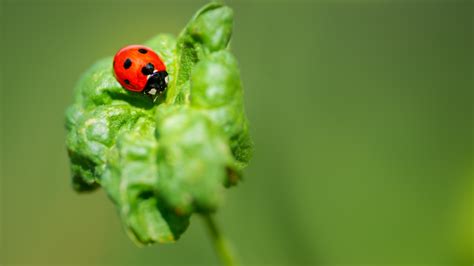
pixel 127 81
pixel 127 64
pixel 143 51
pixel 148 69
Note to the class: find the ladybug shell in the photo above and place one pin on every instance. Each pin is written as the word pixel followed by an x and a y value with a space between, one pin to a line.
pixel 130 66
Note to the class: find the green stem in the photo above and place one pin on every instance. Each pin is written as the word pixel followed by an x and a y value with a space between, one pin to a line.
pixel 221 245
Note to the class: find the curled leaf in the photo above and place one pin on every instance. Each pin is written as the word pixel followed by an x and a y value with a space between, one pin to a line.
pixel 162 161
pixel 208 31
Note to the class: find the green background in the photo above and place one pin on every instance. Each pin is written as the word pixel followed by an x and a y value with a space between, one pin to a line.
pixel 361 113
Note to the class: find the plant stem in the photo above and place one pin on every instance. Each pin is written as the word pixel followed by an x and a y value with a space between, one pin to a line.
pixel 221 245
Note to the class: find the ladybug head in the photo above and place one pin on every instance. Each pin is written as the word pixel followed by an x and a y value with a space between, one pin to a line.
pixel 156 83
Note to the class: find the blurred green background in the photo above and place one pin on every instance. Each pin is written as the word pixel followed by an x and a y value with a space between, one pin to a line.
pixel 361 112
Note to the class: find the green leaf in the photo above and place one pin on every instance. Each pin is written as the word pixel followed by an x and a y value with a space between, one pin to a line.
pixel 208 31
pixel 193 159
pixel 216 89
pixel 91 134
pixel 131 180
pixel 162 161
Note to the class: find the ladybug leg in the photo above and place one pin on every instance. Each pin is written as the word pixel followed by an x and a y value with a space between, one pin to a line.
pixel 152 97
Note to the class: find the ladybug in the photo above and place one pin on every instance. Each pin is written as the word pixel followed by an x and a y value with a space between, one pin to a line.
pixel 139 69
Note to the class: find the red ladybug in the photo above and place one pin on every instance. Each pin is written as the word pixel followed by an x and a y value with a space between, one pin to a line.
pixel 138 68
